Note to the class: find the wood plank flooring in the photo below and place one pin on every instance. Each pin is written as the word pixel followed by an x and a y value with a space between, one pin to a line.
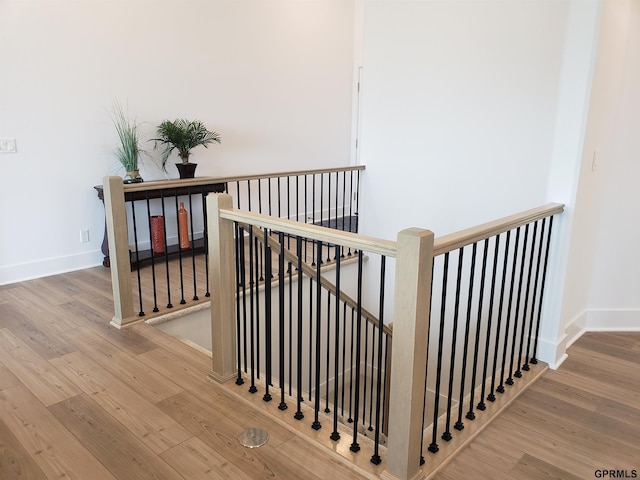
pixel 575 421
pixel 82 400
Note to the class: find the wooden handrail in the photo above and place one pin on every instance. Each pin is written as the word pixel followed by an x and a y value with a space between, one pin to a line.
pixel 469 236
pixel 194 182
pixel 327 284
pixel 307 230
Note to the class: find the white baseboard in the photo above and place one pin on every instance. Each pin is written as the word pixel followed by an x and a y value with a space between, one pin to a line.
pixel 592 320
pixel 575 328
pixel 51 266
pixel 552 352
pixel 555 352
pixel 613 320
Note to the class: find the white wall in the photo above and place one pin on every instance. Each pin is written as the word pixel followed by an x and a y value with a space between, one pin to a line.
pixel 573 292
pixel 613 295
pixel 570 153
pixel 274 78
pixel 598 290
pixel 459 108
pixel 460 104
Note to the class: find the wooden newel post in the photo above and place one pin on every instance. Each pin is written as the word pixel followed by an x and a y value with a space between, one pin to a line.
pixel 409 356
pixel 118 237
pixel 222 278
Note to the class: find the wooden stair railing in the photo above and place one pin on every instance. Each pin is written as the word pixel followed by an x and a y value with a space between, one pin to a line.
pixel 415 252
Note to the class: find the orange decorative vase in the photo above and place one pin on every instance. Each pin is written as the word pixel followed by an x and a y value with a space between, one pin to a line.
pixel 183 224
pixel 157 234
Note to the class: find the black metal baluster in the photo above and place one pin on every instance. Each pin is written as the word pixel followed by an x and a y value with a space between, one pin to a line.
pixel 256 293
pixel 459 424
pixel 261 278
pixel 454 340
pixel 357 198
pixel 239 380
pixel 337 195
pixel 153 257
pixel 470 414
pixel 320 260
pixel 385 387
pixel 350 205
pixel 344 192
pixel 534 359
pixel 433 446
pixel 514 265
pixel 344 356
pixel 205 238
pixel 516 325
pixel 326 396
pixel 281 291
pixel 249 194
pixel 306 216
pixel 350 419
pixel 329 213
pixel 492 397
pixel 335 435
pixel 137 254
pixel 252 388
pixel 373 356
pixel 182 300
pixel 238 193
pixel 313 214
pixel 518 373
pixel 267 315
pixel 526 367
pixel 481 405
pixel 281 315
pixel 279 199
pixel 289 214
pixel 290 272
pixel 243 281
pixel 329 202
pixel 355 446
pixel 311 330
pixel 344 197
pixel 297 198
pixel 316 404
pixel 375 458
pixel 269 190
pixel 166 250
pixel 364 387
pixel 299 415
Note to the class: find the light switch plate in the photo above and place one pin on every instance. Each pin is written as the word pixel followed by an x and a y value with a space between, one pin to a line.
pixel 7 145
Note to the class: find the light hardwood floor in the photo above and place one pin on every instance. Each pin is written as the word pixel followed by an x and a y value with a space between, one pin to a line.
pixel 574 421
pixel 82 400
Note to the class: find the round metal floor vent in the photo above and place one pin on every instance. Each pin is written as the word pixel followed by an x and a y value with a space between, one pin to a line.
pixel 253 437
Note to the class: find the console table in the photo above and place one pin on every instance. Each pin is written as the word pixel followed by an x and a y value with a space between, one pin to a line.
pixel 152 190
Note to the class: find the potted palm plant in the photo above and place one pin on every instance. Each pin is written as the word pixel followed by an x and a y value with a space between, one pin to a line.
pixel 183 135
pixel 128 152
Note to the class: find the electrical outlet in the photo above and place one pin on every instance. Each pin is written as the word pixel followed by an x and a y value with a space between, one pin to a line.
pixel 8 145
pixel 84 236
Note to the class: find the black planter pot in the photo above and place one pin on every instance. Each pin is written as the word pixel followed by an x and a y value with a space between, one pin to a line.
pixel 186 170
